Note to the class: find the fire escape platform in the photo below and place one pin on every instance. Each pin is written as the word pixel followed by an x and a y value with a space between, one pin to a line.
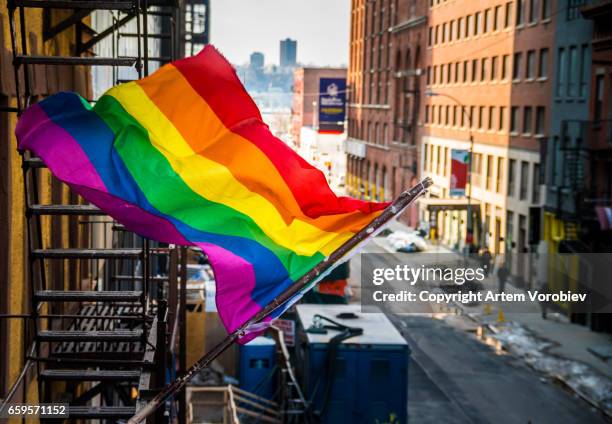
pixel 75 60
pixel 88 296
pixel 63 4
pixel 87 253
pixel 90 336
pixel 89 375
pixel 101 412
pixel 83 210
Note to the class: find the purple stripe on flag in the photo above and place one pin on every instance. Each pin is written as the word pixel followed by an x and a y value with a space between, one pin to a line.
pixel 38 133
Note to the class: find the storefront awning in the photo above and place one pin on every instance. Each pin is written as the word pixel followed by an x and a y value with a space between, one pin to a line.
pixel 450 204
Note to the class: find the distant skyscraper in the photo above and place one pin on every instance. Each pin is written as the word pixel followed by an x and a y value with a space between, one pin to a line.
pixel 257 60
pixel 288 52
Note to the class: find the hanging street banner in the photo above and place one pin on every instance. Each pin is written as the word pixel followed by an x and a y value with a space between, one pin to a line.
pixel 459 171
pixel 332 105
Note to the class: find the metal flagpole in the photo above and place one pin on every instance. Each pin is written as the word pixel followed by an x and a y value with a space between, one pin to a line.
pixel 393 210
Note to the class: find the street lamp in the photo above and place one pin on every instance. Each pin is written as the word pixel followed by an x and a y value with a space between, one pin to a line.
pixel 469 232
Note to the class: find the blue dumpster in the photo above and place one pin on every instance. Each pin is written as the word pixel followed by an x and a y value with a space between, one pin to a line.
pixel 257 362
pixel 369 378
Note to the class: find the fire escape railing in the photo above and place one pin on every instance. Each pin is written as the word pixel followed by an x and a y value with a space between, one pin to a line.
pixel 106 338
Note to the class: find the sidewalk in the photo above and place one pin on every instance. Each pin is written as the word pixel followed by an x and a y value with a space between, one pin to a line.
pixel 566 340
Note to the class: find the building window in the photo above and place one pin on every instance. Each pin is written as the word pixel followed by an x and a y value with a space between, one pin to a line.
pixel 527 119
pixel 540 120
pixel 535 195
pixel 443 40
pixel 516 69
pixel 494 61
pixel 477 23
pixel 533 11
pixel 456 72
pixel 487 21
pixel 505 66
pixel 531 64
pixel 429 75
pixel 573 68
pixel 489 172
pixel 451 30
pixel 472 116
pixel 430 37
pixel 520 12
pixel 465 71
pixel 474 69
pixel 524 180
pixel 509 228
pixel 514 118
pixel 546 9
pixel 502 117
pixel 459 28
pixel 491 117
pixel 584 69
pixel 427 114
pixel 511 177
pixel 599 99
pixel 543 65
pixel 500 173
pixel 496 17
pixel 561 72
pixel 481 117
pixel 477 170
pixel 449 69
pixel 508 16
pixel 455 109
pixel 468 25
pixel 447 117
pixel 483 69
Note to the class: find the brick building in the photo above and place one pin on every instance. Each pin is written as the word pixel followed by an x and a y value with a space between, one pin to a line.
pixel 305 94
pixel 387 42
pixel 488 67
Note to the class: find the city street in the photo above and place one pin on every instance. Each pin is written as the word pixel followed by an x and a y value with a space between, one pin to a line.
pixel 455 378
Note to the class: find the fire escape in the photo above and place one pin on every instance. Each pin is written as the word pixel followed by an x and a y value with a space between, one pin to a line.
pixel 105 340
pixel 585 149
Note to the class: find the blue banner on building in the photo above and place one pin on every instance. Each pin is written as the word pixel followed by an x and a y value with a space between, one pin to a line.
pixel 332 104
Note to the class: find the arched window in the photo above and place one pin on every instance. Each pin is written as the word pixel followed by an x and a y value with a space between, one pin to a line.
pixel 376 183
pixel 398 97
pixel 384 193
pixel 376 138
pixel 385 134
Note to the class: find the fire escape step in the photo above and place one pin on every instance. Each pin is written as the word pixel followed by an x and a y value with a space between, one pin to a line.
pixel 111 412
pixel 63 4
pixel 90 375
pixel 75 60
pixel 88 296
pixel 89 210
pixel 90 336
pixel 87 253
pixel 34 163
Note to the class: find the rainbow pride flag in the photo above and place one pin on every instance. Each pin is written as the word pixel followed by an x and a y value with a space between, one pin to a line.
pixel 183 157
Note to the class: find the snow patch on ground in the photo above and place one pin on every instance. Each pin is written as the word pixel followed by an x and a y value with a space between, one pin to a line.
pixel 581 378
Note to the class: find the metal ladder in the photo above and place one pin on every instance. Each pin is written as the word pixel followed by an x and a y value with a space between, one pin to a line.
pixel 113 330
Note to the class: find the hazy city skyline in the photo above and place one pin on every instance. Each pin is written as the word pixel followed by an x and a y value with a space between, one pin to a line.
pixel 320 27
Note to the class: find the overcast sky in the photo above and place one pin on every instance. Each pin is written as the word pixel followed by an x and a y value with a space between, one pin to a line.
pixel 321 28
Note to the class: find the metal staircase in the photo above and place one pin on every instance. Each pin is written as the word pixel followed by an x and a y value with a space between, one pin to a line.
pixel 101 339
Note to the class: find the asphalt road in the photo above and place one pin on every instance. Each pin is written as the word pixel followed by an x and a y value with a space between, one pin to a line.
pixel 455 378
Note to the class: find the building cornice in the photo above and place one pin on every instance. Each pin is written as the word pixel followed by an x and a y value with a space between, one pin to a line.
pixel 410 23
pixel 369 106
